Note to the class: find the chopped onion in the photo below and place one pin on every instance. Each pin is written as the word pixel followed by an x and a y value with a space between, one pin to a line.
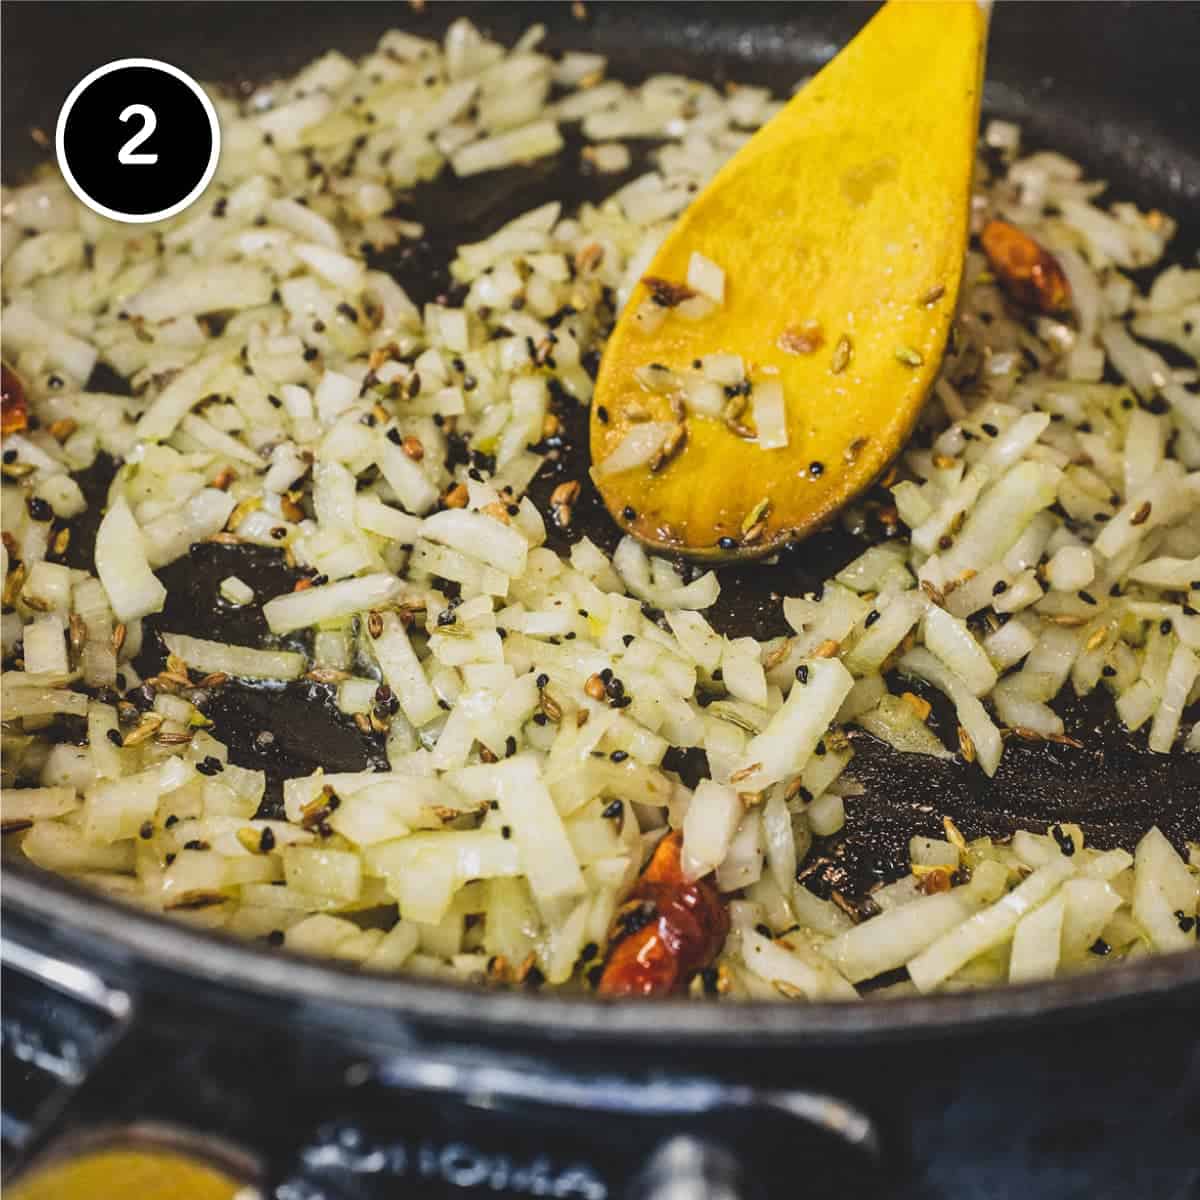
pixel 132 589
pixel 770 415
pixel 639 445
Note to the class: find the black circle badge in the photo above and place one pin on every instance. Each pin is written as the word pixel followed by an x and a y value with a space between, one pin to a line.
pixel 137 140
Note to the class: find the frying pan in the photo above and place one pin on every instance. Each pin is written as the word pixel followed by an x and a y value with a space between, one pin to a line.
pixel 1109 84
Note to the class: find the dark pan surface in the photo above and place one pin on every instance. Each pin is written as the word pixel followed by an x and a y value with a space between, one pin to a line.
pixel 1101 83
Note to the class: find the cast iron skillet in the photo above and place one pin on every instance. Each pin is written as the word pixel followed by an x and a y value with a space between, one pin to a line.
pixel 1107 84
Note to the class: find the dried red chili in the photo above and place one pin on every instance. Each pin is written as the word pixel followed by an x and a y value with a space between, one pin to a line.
pixel 669 929
pixel 1030 274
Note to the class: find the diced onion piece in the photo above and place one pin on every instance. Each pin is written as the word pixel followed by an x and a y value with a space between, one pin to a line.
pixel 1181 678
pixel 1090 905
pixel 827 814
pixel 515 146
pixel 132 588
pixel 18 805
pixel 955 948
pixel 323 872
pixel 952 642
pixel 116 810
pixel 472 533
pixel 705 277
pixel 1070 569
pixel 639 445
pixel 799 969
pixel 1163 887
pixel 179 396
pixel 236 591
pixel 1037 942
pixel 411 485
pixel 892 938
pixel 243 662
pixel 792 734
pixel 425 870
pixel 770 414
pixel 984 735
pixel 46 646
pixel 404 673
pixel 709 824
pixel 547 859
pixel 298 610
pixel 636 569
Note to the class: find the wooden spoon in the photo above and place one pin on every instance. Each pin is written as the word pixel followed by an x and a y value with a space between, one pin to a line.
pixel 840 229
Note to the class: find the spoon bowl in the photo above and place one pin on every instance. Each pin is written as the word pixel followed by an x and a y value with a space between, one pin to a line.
pixel 773 359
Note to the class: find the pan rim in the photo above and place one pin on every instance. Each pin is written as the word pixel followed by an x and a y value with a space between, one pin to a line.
pixel 105 933
pixel 115 938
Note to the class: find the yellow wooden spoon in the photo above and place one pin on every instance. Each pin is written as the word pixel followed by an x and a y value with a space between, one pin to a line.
pixel 837 234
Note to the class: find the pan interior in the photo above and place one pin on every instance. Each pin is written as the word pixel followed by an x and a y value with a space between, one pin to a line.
pixel 1136 134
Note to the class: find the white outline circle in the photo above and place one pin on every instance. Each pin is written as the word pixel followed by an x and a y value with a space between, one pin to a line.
pixel 73 183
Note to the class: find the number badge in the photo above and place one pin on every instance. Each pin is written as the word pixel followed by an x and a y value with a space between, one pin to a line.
pixel 137 140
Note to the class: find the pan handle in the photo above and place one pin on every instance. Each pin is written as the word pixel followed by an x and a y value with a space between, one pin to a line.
pixel 61 1025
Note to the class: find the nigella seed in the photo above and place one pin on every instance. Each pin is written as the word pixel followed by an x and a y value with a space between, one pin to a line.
pixel 619 756
pixel 506 832
pixel 114 736
pixel 393 436
pixel 802 673
pixel 629 512
pixel 816 469
pixel 266 840
pixel 613 810
pixel 999 587
pixel 872 617
pixel 510 746
pixel 40 509
pixel 1065 842
pixel 1100 947
pixel 146 832
pixel 727 543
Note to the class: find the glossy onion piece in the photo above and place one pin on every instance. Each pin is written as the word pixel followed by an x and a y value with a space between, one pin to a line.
pixel 1027 272
pixel 669 929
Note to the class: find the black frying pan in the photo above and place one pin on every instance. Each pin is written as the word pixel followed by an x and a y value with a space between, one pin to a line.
pixel 1110 84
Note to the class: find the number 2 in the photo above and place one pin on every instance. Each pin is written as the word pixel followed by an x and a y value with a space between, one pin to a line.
pixel 149 123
